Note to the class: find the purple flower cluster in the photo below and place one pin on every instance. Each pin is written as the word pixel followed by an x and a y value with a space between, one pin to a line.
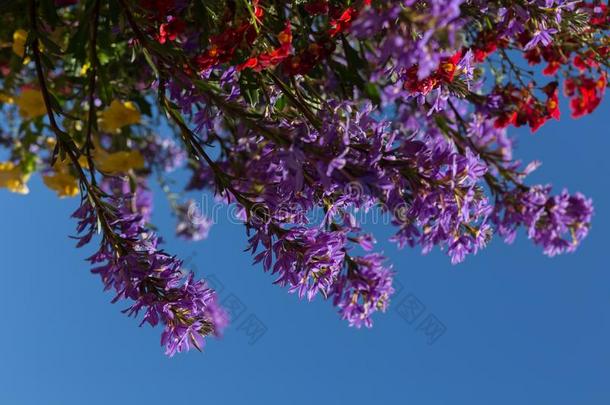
pixel 557 223
pixel 445 205
pixel 308 116
pixel 410 167
pixel 307 260
pixel 365 289
pixel 164 153
pixel 130 262
pixel 192 224
pixel 412 32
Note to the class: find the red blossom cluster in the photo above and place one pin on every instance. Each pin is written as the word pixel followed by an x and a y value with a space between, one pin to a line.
pixel 600 13
pixel 444 74
pixel 317 7
pixel 315 52
pixel 223 46
pixel 486 44
pixel 557 57
pixel 526 108
pixel 164 14
pixel 171 30
pixel 343 22
pixel 272 58
pixel 308 58
pixel 585 93
pixel 554 56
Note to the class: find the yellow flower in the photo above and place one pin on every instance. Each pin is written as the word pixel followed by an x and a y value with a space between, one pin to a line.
pixel 50 142
pixel 84 69
pixel 118 115
pixel 6 98
pixel 13 179
pixel 31 104
pixel 63 183
pixel 119 162
pixel 63 166
pixel 19 38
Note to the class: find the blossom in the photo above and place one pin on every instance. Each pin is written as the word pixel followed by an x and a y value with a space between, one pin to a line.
pixel 119 162
pixel 272 58
pixel 152 280
pixel 118 115
pixel 171 30
pixel 364 290
pixel 19 38
pixel 557 223
pixel 542 36
pixel 31 104
pixel 308 260
pixel 304 116
pixel 13 179
pixel 63 183
pixel 586 94
pixel 192 224
pixel 164 153
pixel 6 98
pixel 343 22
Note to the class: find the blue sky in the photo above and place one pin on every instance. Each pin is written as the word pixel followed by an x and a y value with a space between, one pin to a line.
pixel 520 328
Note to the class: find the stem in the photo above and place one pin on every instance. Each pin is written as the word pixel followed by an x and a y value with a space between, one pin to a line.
pixel 92 82
pixel 64 139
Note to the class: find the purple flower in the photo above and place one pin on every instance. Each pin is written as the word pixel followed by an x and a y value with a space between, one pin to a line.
pixel 557 223
pixel 130 262
pixel 307 260
pixel 192 224
pixel 541 36
pixel 365 289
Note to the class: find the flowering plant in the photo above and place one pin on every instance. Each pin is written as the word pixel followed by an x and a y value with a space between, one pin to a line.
pixel 289 107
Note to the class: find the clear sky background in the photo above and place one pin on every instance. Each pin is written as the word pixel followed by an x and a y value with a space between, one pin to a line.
pixel 520 328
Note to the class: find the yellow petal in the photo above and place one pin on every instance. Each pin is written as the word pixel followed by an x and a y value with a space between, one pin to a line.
pixel 19 38
pixel 63 183
pixel 31 104
pixel 12 178
pixel 6 98
pixel 118 115
pixel 84 68
pixel 63 166
pixel 119 162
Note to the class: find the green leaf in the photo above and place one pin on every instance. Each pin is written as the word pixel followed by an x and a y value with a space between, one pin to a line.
pixel 77 43
pixel 49 45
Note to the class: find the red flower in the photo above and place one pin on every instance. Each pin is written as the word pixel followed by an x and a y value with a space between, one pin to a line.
pixel 171 30
pixel 342 23
pixel 481 53
pixel 569 87
pixel 551 68
pixel 444 74
pixel 505 120
pixel 448 67
pixel 589 96
pixel 533 56
pixel 552 105
pixel 272 58
pixel 306 60
pixel 248 64
pixel 317 7
pixel 588 61
pixel 537 120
